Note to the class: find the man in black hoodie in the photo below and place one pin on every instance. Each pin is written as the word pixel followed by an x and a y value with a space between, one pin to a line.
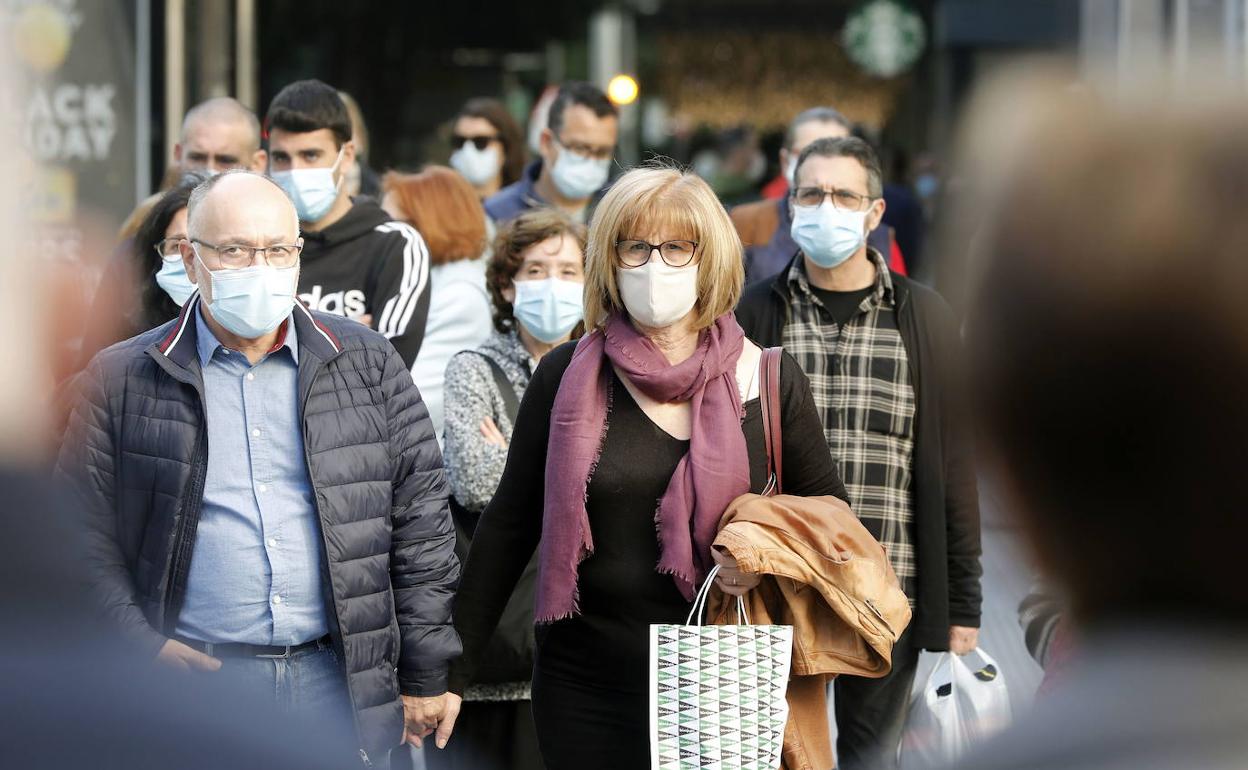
pixel 357 262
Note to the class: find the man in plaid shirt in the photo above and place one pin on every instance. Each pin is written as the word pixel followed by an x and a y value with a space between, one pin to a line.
pixel 881 353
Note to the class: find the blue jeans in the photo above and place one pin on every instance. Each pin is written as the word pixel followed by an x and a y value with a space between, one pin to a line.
pixel 309 686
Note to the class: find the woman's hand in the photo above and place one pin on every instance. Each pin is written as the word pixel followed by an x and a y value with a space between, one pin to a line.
pixel 731 580
pixel 492 434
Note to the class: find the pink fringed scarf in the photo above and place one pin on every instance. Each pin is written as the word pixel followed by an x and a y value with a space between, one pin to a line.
pixel 713 472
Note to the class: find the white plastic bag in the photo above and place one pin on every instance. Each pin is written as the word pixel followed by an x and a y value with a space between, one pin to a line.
pixel 964 701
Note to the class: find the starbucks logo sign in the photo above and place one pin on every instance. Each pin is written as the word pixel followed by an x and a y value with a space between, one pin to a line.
pixel 884 37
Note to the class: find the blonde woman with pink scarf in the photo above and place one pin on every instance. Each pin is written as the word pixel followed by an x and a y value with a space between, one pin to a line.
pixel 629 445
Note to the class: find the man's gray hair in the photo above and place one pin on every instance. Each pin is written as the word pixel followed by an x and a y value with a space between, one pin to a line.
pixel 203 188
pixel 814 115
pixel 846 147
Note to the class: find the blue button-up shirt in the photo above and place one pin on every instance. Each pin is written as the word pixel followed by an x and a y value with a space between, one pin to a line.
pixel 256 569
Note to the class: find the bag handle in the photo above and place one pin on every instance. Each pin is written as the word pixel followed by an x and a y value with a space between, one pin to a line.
pixel 511 403
pixel 941 671
pixel 699 601
pixel 769 378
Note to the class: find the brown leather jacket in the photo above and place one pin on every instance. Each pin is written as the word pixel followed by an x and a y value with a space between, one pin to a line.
pixel 829 579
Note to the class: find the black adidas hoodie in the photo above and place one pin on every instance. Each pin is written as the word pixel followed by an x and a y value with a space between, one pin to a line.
pixel 368 263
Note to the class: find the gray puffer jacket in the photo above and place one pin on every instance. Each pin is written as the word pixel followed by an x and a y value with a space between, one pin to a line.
pixel 136 452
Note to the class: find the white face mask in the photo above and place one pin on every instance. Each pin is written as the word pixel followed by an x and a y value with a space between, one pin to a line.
pixel 578 177
pixel 477 166
pixel 656 294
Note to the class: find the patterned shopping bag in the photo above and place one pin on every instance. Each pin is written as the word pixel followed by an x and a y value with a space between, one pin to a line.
pixel 717 693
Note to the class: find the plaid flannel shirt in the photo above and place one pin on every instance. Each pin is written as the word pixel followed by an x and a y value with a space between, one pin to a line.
pixel 860 378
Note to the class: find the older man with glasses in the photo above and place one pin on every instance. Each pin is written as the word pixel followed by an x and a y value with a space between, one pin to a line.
pixel 881 353
pixel 264 493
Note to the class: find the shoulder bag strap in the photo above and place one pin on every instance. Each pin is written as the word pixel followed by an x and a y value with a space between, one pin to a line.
pixel 769 380
pixel 510 401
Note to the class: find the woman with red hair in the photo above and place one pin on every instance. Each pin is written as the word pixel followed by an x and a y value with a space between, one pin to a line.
pixel 446 211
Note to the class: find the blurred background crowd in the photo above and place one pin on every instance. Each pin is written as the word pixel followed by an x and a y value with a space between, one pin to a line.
pixel 712 83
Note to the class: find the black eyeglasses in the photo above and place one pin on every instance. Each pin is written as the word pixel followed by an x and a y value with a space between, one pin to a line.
pixel 480 142
pixel 634 253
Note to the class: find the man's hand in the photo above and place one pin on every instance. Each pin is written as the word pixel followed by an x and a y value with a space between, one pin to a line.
pixel 963 640
pixel 731 579
pixel 423 716
pixel 177 655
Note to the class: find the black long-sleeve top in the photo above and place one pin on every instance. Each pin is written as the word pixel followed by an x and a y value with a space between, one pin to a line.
pixel 620 591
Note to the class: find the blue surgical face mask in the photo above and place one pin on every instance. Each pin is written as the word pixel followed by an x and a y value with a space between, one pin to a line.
pixel 173 279
pixel 312 189
pixel 827 235
pixel 477 166
pixel 549 309
pixel 578 177
pixel 251 301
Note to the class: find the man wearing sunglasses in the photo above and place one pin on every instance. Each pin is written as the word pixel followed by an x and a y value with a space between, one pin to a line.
pixel 881 353
pixel 577 147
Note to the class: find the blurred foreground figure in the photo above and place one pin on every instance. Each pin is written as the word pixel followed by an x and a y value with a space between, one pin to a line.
pixel 1110 338
pixel 72 697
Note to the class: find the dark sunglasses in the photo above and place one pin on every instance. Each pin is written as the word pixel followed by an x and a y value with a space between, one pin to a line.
pixel 480 142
